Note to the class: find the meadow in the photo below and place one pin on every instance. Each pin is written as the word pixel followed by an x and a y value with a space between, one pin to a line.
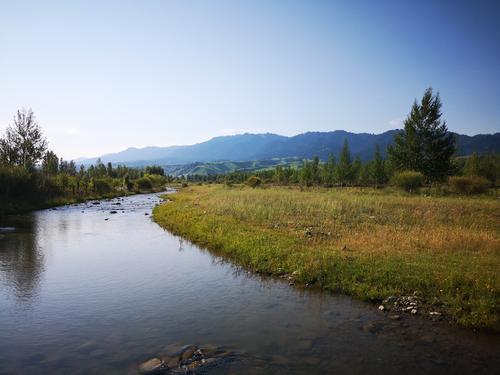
pixel 366 242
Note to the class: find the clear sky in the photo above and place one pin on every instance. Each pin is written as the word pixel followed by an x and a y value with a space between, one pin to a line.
pixel 102 76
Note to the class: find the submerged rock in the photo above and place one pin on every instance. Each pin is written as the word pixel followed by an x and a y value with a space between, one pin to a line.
pixel 152 366
pixel 173 362
pixel 188 353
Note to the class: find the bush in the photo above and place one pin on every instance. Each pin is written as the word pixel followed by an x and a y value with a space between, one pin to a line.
pixel 144 183
pixel 254 181
pixel 468 184
pixel 102 186
pixel 410 181
pixel 156 179
pixel 15 181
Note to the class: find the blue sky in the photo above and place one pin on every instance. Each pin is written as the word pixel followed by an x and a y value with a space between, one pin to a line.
pixel 105 75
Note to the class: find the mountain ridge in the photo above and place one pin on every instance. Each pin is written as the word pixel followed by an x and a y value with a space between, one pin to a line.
pixel 265 146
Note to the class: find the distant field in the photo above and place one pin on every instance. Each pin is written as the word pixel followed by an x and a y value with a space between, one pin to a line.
pixel 364 242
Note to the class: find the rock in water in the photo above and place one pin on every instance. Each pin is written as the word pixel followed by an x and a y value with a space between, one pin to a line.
pixel 188 353
pixel 173 362
pixel 154 365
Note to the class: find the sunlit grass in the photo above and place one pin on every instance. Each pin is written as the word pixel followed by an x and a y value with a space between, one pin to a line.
pixel 365 242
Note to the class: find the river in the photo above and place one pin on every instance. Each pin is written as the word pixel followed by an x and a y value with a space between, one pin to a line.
pixel 85 291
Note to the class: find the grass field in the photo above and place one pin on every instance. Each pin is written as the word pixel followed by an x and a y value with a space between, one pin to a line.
pixel 364 242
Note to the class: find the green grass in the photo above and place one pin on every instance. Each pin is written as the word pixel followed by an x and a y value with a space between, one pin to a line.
pixel 363 242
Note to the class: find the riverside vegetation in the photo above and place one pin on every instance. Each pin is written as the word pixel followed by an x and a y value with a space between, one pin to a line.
pixel 31 176
pixel 370 243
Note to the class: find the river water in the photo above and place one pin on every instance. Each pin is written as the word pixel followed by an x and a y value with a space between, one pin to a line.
pixel 84 291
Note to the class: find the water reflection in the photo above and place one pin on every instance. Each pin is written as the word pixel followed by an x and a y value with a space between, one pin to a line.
pixel 21 258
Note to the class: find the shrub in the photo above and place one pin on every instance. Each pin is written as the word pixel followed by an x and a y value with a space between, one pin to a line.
pixel 102 186
pixel 408 180
pixel 15 181
pixel 156 179
pixel 127 184
pixel 254 181
pixel 468 184
pixel 184 185
pixel 144 183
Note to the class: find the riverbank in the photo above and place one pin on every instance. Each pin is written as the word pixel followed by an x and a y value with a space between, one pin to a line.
pixel 363 242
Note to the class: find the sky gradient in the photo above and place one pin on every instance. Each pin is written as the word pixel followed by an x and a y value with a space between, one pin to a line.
pixel 104 76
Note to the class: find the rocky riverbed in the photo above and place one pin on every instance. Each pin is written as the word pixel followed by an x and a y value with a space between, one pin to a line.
pixel 185 359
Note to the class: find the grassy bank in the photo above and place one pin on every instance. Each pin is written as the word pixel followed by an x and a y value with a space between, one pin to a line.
pixel 363 242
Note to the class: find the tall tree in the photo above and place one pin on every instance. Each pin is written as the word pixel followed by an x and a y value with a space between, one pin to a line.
pixel 50 164
pixel 471 167
pixel 425 144
pixel 306 173
pixel 356 170
pixel 344 167
pixel 328 171
pixel 24 144
pixel 377 168
pixel 315 170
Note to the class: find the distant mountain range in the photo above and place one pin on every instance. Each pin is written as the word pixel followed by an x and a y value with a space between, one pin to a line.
pixel 252 147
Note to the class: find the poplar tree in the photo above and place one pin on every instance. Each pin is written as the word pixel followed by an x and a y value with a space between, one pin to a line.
pixel 24 144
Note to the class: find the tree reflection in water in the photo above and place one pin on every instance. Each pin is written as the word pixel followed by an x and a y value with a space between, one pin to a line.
pixel 21 258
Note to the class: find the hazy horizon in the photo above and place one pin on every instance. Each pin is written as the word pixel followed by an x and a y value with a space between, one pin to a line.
pixel 105 77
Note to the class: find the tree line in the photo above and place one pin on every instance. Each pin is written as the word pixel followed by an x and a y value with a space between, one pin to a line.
pixel 31 174
pixel 422 153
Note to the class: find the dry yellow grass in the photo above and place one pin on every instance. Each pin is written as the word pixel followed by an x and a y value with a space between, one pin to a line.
pixel 365 242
